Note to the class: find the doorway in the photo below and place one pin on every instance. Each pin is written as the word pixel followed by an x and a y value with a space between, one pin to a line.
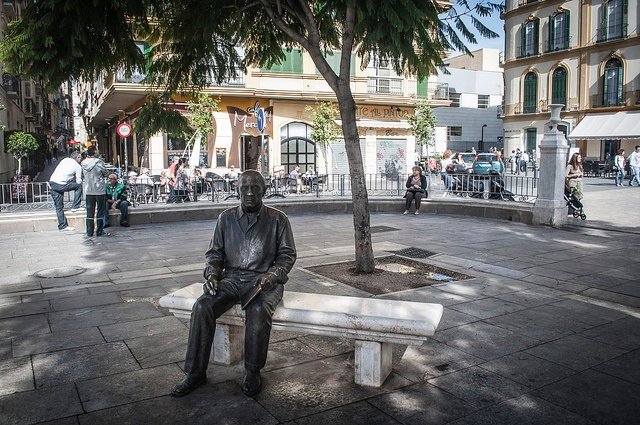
pixel 254 156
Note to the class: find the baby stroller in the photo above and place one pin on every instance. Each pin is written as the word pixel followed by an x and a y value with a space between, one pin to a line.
pixel 573 203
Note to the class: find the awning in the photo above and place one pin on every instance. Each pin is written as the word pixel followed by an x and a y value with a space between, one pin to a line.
pixel 618 125
pixel 380 124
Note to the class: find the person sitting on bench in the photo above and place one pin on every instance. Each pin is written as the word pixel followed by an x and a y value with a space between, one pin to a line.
pixel 117 199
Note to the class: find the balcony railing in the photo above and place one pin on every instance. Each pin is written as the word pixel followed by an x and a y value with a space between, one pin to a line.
pixel 606 100
pixel 561 43
pixel 385 85
pixel 527 50
pixel 433 91
pixel 611 32
pixel 139 78
pixel 135 78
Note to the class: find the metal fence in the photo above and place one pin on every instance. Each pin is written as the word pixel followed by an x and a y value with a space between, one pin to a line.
pixel 19 197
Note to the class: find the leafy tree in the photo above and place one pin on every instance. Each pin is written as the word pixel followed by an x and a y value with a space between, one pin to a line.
pixel 195 41
pixel 325 130
pixel 201 114
pixel 423 124
pixel 20 145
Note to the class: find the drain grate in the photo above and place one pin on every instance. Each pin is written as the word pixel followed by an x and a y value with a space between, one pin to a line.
pixel 381 229
pixel 59 272
pixel 414 252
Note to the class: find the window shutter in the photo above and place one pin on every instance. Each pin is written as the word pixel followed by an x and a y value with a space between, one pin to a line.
pixel 523 39
pixel 566 30
pixel 422 89
pixel 536 31
pixel 625 6
pixel 552 39
pixel 619 86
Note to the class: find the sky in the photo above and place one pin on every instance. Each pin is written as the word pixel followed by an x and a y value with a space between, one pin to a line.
pixel 495 24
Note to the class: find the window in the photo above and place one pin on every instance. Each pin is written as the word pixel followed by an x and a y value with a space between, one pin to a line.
pixel 455 100
pixel 530 139
pixel 530 98
pixel 613 76
pixel 559 87
pixel 454 132
pixel 483 101
pixel 175 143
pixel 296 148
pixel 221 157
pixel 292 63
pixel 559 31
pixel 614 20
pixel 27 89
pixel 383 78
pixel 529 38
pixel 333 59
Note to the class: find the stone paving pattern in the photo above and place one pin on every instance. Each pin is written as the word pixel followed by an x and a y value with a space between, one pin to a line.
pixel 547 331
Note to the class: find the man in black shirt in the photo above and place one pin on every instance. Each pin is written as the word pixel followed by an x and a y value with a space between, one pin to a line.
pixel 251 245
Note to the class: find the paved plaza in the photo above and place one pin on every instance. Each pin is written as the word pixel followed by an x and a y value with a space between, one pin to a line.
pixel 547 330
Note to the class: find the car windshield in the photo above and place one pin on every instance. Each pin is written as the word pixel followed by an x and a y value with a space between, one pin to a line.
pixel 468 157
pixel 486 157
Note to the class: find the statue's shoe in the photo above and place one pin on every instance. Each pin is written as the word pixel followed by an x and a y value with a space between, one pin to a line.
pixel 188 384
pixel 252 384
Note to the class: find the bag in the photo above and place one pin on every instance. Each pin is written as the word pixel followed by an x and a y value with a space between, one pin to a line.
pixel 573 182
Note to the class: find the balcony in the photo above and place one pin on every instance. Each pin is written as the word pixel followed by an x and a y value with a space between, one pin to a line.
pixel 433 91
pixel 611 32
pixel 135 78
pixel 237 81
pixel 557 45
pixel 385 85
pixel 608 100
pixel 29 109
pixel 514 4
pixel 527 50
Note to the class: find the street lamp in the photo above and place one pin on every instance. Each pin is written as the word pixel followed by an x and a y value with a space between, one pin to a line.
pixel 481 144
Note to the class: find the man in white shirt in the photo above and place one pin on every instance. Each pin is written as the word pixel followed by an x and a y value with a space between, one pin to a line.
pixel 66 177
pixel 634 163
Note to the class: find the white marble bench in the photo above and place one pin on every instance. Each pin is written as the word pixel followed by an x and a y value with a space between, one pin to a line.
pixel 374 323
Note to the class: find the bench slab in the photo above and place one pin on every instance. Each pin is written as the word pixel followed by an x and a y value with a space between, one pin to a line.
pixel 374 323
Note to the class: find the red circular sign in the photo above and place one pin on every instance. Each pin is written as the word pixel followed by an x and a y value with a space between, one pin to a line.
pixel 124 130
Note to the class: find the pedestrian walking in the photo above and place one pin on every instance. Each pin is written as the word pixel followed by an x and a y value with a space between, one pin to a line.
pixel 94 186
pixel 634 164
pixel 66 177
pixel 618 163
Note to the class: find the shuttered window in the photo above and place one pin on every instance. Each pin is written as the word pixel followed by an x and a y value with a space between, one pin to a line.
pixel 559 87
pixel 613 78
pixel 292 64
pixel 530 98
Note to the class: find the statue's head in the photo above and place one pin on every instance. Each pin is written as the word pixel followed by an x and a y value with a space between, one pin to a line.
pixel 252 188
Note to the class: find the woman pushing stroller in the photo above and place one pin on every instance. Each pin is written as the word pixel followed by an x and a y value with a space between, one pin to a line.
pixel 573 186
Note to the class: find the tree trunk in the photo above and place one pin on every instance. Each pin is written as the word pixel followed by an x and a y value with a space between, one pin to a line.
pixel 365 262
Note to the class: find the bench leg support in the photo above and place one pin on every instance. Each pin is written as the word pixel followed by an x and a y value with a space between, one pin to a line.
pixel 228 344
pixel 372 362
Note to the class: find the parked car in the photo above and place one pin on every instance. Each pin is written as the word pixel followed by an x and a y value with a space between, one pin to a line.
pixel 468 158
pixel 482 163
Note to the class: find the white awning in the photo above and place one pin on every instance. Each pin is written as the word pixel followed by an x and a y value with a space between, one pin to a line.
pixel 618 125
pixel 380 124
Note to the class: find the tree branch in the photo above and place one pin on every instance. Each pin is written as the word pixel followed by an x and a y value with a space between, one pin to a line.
pixel 348 35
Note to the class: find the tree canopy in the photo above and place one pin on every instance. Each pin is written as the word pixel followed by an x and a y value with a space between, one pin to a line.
pixel 194 41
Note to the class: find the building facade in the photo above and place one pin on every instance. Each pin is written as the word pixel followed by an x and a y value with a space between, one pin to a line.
pixel 476 92
pixel 384 100
pixel 584 54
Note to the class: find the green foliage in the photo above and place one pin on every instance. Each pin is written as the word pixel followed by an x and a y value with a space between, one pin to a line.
pixel 325 130
pixel 21 144
pixel 201 114
pixel 154 118
pixel 423 124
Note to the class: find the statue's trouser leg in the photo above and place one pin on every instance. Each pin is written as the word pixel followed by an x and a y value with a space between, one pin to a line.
pixel 258 328
pixel 205 311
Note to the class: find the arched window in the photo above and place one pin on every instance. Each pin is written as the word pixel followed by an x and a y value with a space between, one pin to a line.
pixel 614 20
pixel 559 31
pixel 530 98
pixel 613 77
pixel 559 87
pixel 529 38
pixel 296 148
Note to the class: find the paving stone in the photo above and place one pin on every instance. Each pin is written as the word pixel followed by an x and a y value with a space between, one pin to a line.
pixel 143 293
pixel 16 375
pixel 527 369
pixel 525 409
pixel 484 340
pixel 576 352
pixel 487 307
pixel 598 397
pixel 623 333
pixel 483 287
pixel 27 325
pixel 431 359
pixel 52 294
pixel 305 389
pixel 452 319
pixel 626 367
pixel 82 363
pixel 138 328
pixel 85 301
pixel 530 297
pixel 209 404
pixel 144 273
pixel 12 288
pixel 421 404
pixel 614 297
pixel 129 286
pixel 5 348
pixel 361 413
pixel 102 315
pixel 56 341
pixel 73 281
pixel 24 309
pixel 7 300
pixel 630 288
pixel 128 387
pixel 426 295
pixel 73 420
pixel 40 405
pixel 478 387
pixel 159 349
pixel 289 353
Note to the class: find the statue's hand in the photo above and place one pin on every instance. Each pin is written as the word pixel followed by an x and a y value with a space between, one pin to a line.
pixel 210 286
pixel 267 281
